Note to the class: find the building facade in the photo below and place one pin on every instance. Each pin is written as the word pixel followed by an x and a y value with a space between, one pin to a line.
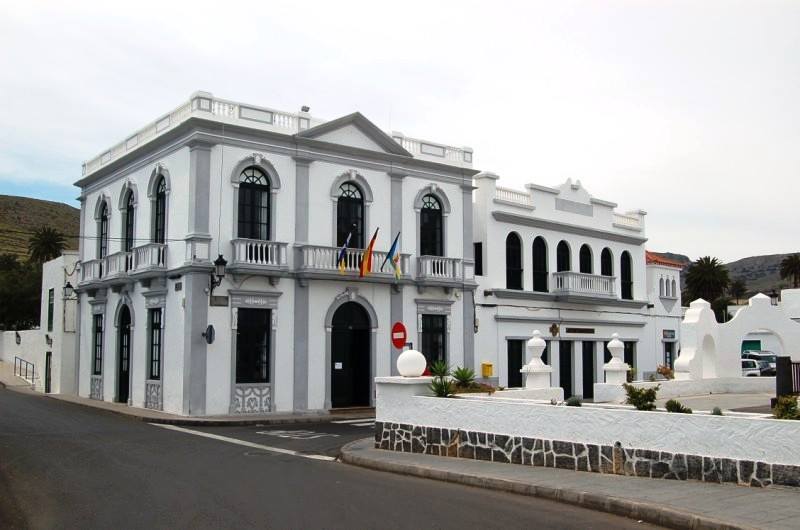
pixel 558 260
pixel 276 195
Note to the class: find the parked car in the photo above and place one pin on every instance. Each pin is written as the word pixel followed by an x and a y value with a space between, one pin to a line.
pixel 766 359
pixel 750 368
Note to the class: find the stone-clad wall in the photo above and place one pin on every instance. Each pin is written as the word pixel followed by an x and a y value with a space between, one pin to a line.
pixel 580 456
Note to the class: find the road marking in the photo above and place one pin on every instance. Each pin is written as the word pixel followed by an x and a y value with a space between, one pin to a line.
pixel 246 444
pixel 360 420
pixel 297 435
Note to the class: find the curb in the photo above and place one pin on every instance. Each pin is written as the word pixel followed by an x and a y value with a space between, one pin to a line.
pixel 642 511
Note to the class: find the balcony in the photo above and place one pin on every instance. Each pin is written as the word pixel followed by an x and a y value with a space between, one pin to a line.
pixel 91 271
pixel 116 265
pixel 440 269
pixel 257 255
pixel 151 257
pixel 319 259
pixel 568 283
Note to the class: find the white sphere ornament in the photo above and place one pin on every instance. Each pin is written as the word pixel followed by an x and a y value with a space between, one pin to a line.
pixel 411 363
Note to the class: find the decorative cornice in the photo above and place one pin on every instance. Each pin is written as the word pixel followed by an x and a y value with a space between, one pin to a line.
pixel 512 218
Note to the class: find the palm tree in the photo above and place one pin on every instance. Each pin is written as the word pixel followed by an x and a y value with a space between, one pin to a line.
pixel 790 268
pixel 737 289
pixel 45 244
pixel 706 278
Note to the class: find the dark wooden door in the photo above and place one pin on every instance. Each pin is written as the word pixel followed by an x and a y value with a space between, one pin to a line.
pixel 516 358
pixel 565 367
pixel 350 357
pixel 124 360
pixel 48 367
pixel 588 370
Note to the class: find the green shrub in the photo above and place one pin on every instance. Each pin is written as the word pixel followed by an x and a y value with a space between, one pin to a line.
pixel 439 369
pixel 786 408
pixel 465 377
pixel 716 411
pixel 575 401
pixel 442 387
pixel 673 405
pixel 641 398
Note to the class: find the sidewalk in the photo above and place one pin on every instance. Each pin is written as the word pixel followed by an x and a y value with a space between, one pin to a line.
pixel 11 382
pixel 673 504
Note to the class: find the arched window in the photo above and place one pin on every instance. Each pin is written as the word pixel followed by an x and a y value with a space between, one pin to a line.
pixel 130 213
pixel 254 205
pixel 431 236
pixel 563 257
pixel 661 287
pixel 585 258
pixel 350 215
pixel 606 263
pixel 102 232
pixel 539 265
pixel 626 273
pixel 160 212
pixel 674 289
pixel 513 262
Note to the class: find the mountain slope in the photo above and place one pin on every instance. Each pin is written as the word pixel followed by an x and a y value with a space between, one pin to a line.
pixel 21 216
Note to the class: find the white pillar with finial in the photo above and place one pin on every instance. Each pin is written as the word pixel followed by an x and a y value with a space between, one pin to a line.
pixel 536 372
pixel 616 369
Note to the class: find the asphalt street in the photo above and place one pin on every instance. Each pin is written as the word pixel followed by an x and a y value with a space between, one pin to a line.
pixel 67 466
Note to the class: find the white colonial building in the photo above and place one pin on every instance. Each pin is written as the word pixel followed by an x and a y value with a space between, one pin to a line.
pixel 275 194
pixel 566 263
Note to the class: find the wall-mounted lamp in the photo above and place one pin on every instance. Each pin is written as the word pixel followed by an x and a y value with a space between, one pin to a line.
pixel 48 339
pixel 219 273
pixel 774 296
pixel 17 337
pixel 69 290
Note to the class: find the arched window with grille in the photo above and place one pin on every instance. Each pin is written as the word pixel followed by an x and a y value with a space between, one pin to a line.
pixel 431 236
pixel 563 259
pixel 160 212
pixel 350 215
pixel 540 265
pixel 130 218
pixel 254 205
pixel 513 262
pixel 626 275
pixel 102 231
pixel 585 258
pixel 606 263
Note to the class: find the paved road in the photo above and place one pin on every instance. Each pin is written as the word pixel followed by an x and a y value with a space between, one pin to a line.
pixel 66 466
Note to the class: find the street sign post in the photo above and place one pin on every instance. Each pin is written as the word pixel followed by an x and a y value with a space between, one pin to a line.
pixel 399 335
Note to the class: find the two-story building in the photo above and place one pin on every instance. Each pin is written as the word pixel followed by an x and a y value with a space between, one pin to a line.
pixel 564 262
pixel 273 196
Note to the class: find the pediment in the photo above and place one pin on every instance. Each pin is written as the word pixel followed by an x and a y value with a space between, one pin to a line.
pixel 354 130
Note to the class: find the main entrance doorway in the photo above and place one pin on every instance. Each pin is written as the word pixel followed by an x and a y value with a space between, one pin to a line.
pixel 565 367
pixel 124 355
pixel 516 359
pixel 350 356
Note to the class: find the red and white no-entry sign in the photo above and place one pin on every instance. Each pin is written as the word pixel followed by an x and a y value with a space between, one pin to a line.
pixel 399 335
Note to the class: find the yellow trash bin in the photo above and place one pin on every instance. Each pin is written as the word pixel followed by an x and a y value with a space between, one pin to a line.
pixel 487 369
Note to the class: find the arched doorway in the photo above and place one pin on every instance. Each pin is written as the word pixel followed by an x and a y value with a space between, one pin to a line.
pixel 350 356
pixel 123 354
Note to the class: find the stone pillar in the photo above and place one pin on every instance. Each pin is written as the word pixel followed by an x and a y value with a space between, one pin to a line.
pixel 468 300
pixel 616 370
pixel 194 345
pixel 301 295
pixel 536 372
pixel 555 364
pixel 577 368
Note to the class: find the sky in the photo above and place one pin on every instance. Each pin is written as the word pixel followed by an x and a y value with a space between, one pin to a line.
pixel 687 110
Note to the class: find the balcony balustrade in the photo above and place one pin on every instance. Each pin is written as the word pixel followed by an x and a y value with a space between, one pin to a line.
pixel 91 270
pixel 116 265
pixel 261 254
pixel 152 256
pixel 582 284
pixel 314 258
pixel 439 268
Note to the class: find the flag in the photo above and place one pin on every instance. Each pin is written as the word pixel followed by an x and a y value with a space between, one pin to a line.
pixel 366 258
pixel 394 256
pixel 340 261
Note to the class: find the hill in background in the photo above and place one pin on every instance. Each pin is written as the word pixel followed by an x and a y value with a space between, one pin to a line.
pixel 21 216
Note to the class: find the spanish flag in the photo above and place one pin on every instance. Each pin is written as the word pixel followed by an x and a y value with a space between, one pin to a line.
pixel 366 258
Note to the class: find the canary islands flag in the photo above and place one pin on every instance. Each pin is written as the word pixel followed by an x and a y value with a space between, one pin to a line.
pixel 393 256
pixel 366 258
pixel 340 261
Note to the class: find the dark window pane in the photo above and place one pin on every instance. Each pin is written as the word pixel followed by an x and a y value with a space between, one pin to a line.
pixel 431 235
pixel 539 265
pixel 97 345
pixel 160 213
pixel 626 276
pixel 254 205
pixel 606 263
pixel 562 257
pixel 586 260
pixel 478 254
pixel 51 298
pixel 434 336
pixel 155 344
pixel 513 262
pixel 350 216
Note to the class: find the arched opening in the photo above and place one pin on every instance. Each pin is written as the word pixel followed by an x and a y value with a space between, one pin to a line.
pixel 123 354
pixel 539 265
pixel 254 205
pixel 513 262
pixel 350 216
pixel 160 212
pixel 674 288
pixel 130 217
pixel 585 258
pixel 626 274
pixel 350 356
pixel 431 236
pixel 661 287
pixel 563 257
pixel 102 231
pixel 606 263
